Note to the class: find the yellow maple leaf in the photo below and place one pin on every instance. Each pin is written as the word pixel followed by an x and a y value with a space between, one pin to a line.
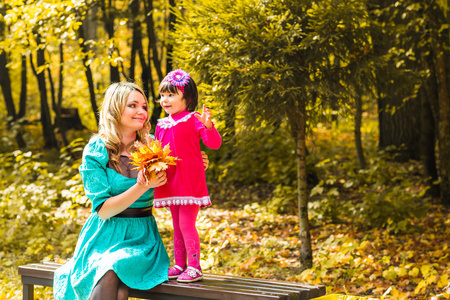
pixel 422 284
pixel 151 157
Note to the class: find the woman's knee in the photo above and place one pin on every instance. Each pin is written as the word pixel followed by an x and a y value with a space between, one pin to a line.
pixel 110 279
pixel 122 293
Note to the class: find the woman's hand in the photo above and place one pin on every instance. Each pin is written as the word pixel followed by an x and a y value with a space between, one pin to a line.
pixel 160 179
pixel 205 160
pixel 141 178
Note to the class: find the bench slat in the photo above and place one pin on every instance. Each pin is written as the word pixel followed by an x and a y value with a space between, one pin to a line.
pixel 315 290
pixel 262 288
pixel 201 291
pixel 213 287
pixel 36 271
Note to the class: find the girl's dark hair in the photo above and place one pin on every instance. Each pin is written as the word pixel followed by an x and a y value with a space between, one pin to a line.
pixel 190 92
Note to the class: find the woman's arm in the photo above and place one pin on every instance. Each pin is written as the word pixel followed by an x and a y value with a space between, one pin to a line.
pixel 205 160
pixel 116 204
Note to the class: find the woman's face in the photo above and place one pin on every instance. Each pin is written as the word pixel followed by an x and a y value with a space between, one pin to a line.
pixel 135 113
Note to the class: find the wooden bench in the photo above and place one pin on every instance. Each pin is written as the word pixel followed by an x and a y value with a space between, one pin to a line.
pixel 211 287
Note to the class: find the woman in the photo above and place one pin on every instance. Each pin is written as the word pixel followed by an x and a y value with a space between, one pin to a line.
pixel 119 246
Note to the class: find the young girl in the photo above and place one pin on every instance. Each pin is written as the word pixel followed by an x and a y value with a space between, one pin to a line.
pixel 186 189
pixel 119 245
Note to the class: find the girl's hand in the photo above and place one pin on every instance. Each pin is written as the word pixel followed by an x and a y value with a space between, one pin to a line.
pixel 205 118
pixel 205 160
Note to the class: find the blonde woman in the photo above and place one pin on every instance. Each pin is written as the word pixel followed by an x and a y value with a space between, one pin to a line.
pixel 119 246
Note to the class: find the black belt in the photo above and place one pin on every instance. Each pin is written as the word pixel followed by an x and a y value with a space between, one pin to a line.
pixel 135 213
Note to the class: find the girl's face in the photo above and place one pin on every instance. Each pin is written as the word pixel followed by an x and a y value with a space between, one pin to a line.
pixel 135 113
pixel 173 103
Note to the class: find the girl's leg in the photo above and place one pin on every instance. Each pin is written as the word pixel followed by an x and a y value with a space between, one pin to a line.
pixel 187 218
pixel 179 248
pixel 107 287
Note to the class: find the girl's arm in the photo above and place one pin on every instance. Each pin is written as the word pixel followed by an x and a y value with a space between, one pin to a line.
pixel 209 134
pixel 116 204
pixel 205 117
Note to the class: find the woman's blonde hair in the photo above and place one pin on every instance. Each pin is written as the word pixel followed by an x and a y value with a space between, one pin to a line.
pixel 113 105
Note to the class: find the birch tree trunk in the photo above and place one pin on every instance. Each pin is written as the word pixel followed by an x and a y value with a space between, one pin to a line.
pixel 305 235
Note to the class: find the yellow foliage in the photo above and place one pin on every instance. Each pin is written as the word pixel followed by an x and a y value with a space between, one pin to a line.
pixel 425 269
pixel 420 286
pixel 443 281
pixel 431 279
pixel 151 157
pixel 414 272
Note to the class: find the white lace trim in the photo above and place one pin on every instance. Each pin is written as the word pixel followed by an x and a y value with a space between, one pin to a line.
pixel 164 202
pixel 169 122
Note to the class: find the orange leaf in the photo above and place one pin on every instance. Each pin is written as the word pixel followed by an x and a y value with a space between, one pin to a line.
pixel 151 157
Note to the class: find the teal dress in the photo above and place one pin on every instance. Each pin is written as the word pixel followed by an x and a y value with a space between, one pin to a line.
pixel 131 247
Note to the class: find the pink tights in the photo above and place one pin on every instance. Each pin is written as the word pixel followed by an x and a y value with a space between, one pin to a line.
pixel 186 242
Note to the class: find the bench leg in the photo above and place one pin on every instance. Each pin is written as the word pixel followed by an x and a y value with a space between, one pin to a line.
pixel 28 291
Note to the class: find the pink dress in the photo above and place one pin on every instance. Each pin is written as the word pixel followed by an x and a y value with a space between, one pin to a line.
pixel 186 182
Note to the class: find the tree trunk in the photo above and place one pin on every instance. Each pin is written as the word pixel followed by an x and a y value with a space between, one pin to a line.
pixel 136 36
pixel 88 72
pixel 150 93
pixel 152 42
pixel 5 85
pixel 90 24
pixel 428 95
pixel 47 127
pixel 400 128
pixel 109 18
pixel 5 79
pixel 358 142
pixel 136 47
pixel 172 20
pixel 152 51
pixel 298 124
pixel 57 102
pixel 23 89
pixel 444 125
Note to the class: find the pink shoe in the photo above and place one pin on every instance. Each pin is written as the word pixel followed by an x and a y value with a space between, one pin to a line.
pixel 190 275
pixel 175 271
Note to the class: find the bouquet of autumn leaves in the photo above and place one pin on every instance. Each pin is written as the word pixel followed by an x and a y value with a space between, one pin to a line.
pixel 151 157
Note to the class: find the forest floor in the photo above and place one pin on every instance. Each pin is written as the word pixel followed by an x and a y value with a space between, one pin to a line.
pixel 367 262
pixel 249 242
pixel 404 258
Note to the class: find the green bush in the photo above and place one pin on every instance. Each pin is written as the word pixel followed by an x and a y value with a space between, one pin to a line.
pixel 382 194
pixel 257 155
pixel 38 207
